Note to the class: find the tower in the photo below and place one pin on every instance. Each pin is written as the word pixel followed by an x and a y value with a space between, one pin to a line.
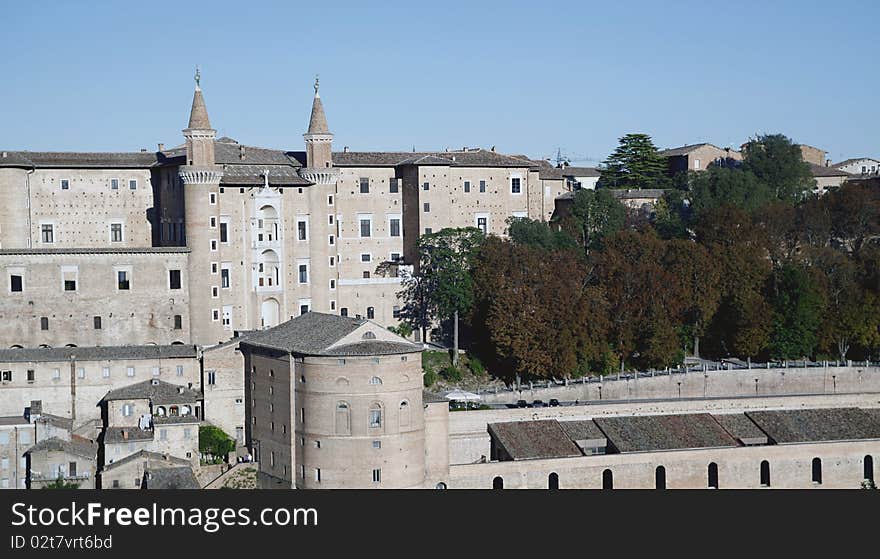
pixel 319 145
pixel 201 182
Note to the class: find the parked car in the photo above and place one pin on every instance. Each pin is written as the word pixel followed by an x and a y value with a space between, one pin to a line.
pixel 539 404
pixel 553 402
pixel 522 404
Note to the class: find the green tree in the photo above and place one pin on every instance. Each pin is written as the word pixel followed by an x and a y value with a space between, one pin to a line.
pixel 594 215
pixel 799 307
pixel 699 281
pixel 778 163
pixel 635 164
pixel 539 234
pixel 719 186
pixel 214 441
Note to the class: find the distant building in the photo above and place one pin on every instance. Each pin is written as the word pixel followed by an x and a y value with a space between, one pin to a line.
pixel 827 178
pixel 698 157
pixel 859 166
pixel 580 177
pixel 72 461
pixel 149 470
pixel 812 155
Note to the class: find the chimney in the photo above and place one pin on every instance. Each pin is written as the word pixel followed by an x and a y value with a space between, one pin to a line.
pixel 125 434
pixel 465 148
pixel 161 147
pixel 5 154
pixel 493 149
pixel 241 154
pixel 180 390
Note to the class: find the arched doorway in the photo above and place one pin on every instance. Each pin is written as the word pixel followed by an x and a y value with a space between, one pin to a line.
pixel 660 478
pixel 817 471
pixel 607 480
pixel 498 482
pixel 869 468
pixel 270 311
pixel 765 473
pixel 553 481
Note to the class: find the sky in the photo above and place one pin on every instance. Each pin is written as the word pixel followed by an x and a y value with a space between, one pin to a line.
pixel 527 77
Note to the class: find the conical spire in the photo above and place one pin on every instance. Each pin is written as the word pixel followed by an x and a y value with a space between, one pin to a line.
pixel 318 121
pixel 198 116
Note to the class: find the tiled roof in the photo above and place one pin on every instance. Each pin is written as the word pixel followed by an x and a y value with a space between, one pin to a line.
pixel 78 446
pixel 107 250
pixel 314 333
pixel 814 425
pixel 252 174
pixel 742 428
pixel 525 440
pixel 103 353
pixel 471 158
pixel 113 435
pixel 154 460
pixel 585 430
pixel 580 171
pixel 629 194
pixel 684 150
pixel 664 432
pixel 174 419
pixel 69 159
pixel 157 391
pixel 13 420
pixel 853 160
pixel 180 477
pixel 823 171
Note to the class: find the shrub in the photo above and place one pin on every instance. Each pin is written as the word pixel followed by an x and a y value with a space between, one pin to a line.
pixel 430 378
pixel 213 441
pixel 451 373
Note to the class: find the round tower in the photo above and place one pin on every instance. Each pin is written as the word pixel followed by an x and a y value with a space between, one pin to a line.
pixel 201 179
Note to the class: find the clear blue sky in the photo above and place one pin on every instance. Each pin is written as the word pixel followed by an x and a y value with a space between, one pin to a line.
pixel 527 77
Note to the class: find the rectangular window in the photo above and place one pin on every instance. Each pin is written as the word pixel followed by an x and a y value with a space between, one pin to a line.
pixel 122 280
pixel 426 186
pixel 318 474
pixel 155 371
pixel 395 256
pixel 332 305
pixel 227 317
pixel 115 232
pixel 366 227
pixel 212 198
pixel 366 257
pixel 44 323
pixel 329 200
pixel 482 225
pixel 366 274
pixel 467 186
pixel 132 184
pixel 224 277
pixel 515 185
pixel 377 444
pixel 56 374
pixel 47 233
pixel 331 239
pixel 31 375
pixel 393 185
pixel 395 227
pixel 365 185
pixel 69 285
pixel 15 283
pixel 174 279
pixel 482 186
pixel 332 284
pixel 330 219
pixel 343 311
pixel 65 184
pixel 224 232
pixel 213 222
pixel 427 207
pixel 215 292
pixel 114 184
pixel 80 373
pixel 105 372
pixel 332 261
pixel 129 371
pixel 96 320
pixel 377 475
pixel 180 370
pixel 212 378
pixel 213 245
pixel 303 273
pixel 178 322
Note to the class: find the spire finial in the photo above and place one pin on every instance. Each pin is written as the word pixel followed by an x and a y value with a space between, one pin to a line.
pixel 317 84
pixel 198 78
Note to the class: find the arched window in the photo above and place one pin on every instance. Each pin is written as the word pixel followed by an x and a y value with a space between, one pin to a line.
pixel 553 481
pixel 185 410
pixel 498 482
pixel 173 411
pixel 765 473
pixel 70 345
pixel 160 411
pixel 607 480
pixel 342 381
pixel 343 419
pixel 15 346
pixel 660 478
pixel 369 336
pixel 817 471
pixel 375 415
pixel 713 475
pixel 404 413
pixel 441 485
pixel 375 380
pixel 869 468
pixel 371 312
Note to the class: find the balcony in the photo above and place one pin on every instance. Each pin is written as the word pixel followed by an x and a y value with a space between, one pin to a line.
pixel 266 243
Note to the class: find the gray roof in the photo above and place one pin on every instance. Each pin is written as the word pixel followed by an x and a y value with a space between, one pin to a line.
pixel 684 150
pixel 252 174
pixel 742 428
pixel 476 157
pixel 77 446
pixel 180 477
pixel 131 250
pixel 823 171
pixel 853 160
pixel 155 460
pixel 69 159
pixel 815 425
pixel 585 430
pixel 102 353
pixel 525 440
pixel 313 333
pixel 157 391
pixel 580 171
pixel 174 419
pixel 648 433
pixel 56 420
pixel 113 435
pixel 629 194
pixel 13 420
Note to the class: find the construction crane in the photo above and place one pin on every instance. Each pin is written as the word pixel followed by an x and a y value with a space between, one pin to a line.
pixel 567 158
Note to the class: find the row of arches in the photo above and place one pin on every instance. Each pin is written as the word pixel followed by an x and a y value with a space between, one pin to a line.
pixel 711 475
